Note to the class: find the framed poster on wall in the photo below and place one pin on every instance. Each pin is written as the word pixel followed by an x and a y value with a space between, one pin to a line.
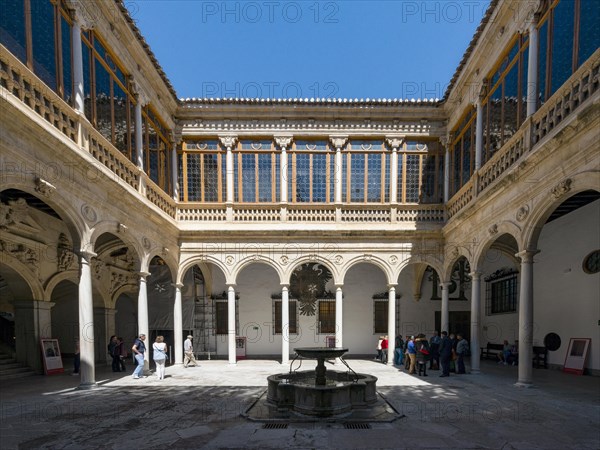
pixel 576 355
pixel 51 356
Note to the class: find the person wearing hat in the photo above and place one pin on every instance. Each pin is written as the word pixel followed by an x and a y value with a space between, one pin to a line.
pixel 188 351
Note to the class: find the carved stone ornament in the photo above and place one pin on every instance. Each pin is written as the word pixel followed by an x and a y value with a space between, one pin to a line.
pixel 367 257
pixel 284 141
pixel 395 142
pixel 338 141
pixel 23 253
pixel 561 188
pixel 118 280
pixel 98 267
pixel 493 230
pixel 393 260
pixel 339 259
pixel 64 253
pixel 284 260
pixel 228 141
pixel 141 95
pixel 84 15
pixel 229 260
pixel 522 213
pixel 146 243
pixel 44 188
pixel 89 213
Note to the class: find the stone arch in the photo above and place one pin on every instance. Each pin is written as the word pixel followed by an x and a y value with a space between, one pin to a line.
pixel 498 241
pixel 261 260
pixel 72 218
pixel 373 260
pixel 202 261
pixel 316 259
pixel 421 264
pixel 15 272
pixel 449 267
pixel 125 289
pixel 124 236
pixel 584 181
pixel 68 275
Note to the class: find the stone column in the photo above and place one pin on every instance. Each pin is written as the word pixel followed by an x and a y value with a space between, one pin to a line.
pixel 478 135
pixel 339 318
pixel 86 322
pixel 141 101
pixel 104 327
pixel 526 318
pixel 446 144
pixel 231 323
pixel 143 327
pixel 532 69
pixel 175 172
pixel 338 142
pixel 284 142
pixel 32 322
pixel 78 91
pixel 445 316
pixel 475 317
pixel 391 323
pixel 285 325
pixel 395 142
pixel 178 325
pixel 228 142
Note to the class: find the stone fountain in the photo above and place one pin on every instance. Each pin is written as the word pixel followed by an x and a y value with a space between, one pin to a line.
pixel 319 392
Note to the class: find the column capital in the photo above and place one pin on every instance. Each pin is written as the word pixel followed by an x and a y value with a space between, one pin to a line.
pixel 84 17
pixel 338 141
pixel 395 141
pixel 228 140
pixel 476 274
pixel 177 285
pixel 283 141
pixel 143 275
pixel 392 286
pixel 339 286
pixel 526 256
pixel 285 285
pixel 86 254
pixel 445 284
pixel 142 98
pixel 445 140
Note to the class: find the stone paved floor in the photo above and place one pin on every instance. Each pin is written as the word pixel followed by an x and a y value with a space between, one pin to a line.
pixel 201 407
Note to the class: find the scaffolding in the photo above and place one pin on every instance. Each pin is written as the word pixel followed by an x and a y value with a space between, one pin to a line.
pixel 204 318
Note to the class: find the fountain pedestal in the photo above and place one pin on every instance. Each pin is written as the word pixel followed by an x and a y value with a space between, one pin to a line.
pixel 320 392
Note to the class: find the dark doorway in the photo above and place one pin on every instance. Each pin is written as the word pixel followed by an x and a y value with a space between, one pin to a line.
pixel 459 322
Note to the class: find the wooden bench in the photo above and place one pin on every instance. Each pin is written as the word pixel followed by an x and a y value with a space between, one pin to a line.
pixel 491 351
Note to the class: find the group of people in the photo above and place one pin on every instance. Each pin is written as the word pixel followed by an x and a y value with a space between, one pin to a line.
pixel 445 351
pixel 159 355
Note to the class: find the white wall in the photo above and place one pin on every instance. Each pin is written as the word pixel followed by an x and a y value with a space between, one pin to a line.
pixel 566 299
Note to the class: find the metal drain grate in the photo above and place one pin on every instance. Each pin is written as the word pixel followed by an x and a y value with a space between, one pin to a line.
pixel 357 426
pixel 275 426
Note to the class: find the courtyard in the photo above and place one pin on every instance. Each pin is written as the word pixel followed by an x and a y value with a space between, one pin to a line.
pixel 202 407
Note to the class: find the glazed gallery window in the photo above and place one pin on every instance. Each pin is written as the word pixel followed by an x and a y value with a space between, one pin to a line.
pixel 256 172
pixel 38 32
pixel 293 317
pixel 502 292
pixel 311 172
pixel 462 152
pixel 202 164
pixel 380 316
pixel 326 317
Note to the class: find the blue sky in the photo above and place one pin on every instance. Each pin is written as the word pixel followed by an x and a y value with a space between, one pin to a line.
pixel 309 49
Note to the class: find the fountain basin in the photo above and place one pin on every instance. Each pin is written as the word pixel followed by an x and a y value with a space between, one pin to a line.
pixel 342 393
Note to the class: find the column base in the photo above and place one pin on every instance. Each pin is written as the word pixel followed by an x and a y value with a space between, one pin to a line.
pixel 87 386
pixel 523 384
pixel 475 371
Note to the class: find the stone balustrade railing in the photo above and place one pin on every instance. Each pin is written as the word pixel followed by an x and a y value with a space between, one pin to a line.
pixel 577 90
pixel 19 81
